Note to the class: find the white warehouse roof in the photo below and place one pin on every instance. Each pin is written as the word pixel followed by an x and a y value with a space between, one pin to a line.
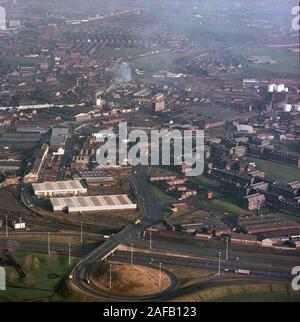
pixel 93 203
pixel 59 186
pixel 245 128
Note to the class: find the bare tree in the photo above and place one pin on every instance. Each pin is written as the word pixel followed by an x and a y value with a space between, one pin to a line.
pixel 28 262
pixel 52 259
pixel 36 264
pixel 13 277
pixel 12 245
pixel 29 280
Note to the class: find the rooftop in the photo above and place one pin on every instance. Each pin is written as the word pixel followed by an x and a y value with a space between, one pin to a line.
pixel 72 185
pixel 108 201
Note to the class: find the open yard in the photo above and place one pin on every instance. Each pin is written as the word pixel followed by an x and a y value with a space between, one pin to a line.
pixel 286 62
pixel 224 205
pixel 162 195
pixel 130 280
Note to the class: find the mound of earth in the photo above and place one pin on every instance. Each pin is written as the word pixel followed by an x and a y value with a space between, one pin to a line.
pixel 130 280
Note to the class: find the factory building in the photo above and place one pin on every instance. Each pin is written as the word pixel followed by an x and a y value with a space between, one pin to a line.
pixel 59 188
pixel 95 178
pixel 99 98
pixel 266 224
pixel 93 203
pixel 82 117
pixel 158 103
pixel 59 138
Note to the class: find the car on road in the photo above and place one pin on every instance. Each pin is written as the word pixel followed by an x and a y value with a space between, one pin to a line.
pixel 87 281
pixel 242 272
pixel 137 221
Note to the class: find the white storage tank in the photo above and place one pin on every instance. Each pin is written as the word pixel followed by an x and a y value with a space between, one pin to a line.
pixel 297 108
pixel 287 108
pixel 280 88
pixel 271 88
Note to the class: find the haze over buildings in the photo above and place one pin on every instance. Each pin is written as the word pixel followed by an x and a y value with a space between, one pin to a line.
pixel 70 72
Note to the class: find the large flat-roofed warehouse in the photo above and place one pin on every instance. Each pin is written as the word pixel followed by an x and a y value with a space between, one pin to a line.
pixel 59 188
pixel 92 203
pixel 95 178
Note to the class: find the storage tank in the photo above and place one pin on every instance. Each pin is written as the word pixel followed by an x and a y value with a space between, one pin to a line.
pixel 287 108
pixel 99 100
pixel 297 108
pixel 280 88
pixel 271 88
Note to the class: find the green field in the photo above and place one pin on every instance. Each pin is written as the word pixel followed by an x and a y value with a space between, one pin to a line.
pixel 162 195
pixel 287 62
pixel 15 61
pixel 38 285
pixel 160 171
pixel 155 63
pixel 244 293
pixel 275 171
pixel 206 182
pixel 224 205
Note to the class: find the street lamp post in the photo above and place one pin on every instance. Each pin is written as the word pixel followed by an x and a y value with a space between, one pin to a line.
pixel 81 232
pixel 131 254
pixel 150 239
pixel 49 246
pixel 69 254
pixel 227 248
pixel 159 277
pixel 219 267
pixel 110 276
pixel 6 226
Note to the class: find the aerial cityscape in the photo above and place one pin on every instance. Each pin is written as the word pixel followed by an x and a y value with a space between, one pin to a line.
pixel 149 151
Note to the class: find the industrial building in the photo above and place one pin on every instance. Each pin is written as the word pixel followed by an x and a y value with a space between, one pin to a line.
pixel 272 223
pixel 59 138
pixel 59 188
pixel 93 203
pixel 158 103
pixel 95 178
